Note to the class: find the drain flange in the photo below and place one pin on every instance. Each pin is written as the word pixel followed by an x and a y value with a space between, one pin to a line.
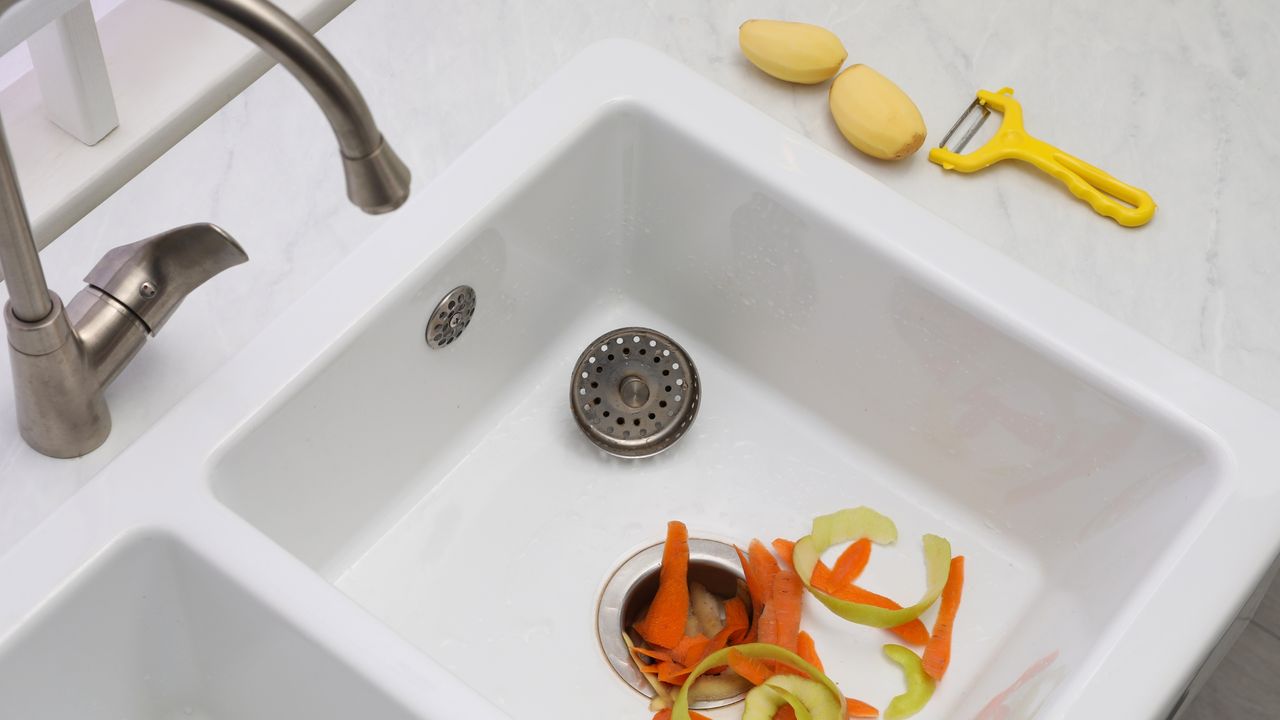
pixel 631 588
pixel 451 316
pixel 634 392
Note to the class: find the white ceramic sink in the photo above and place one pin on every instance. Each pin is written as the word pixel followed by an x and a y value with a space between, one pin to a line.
pixel 425 533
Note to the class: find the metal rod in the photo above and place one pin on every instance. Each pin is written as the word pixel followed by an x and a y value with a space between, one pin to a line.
pixel 314 66
pixel 973 129
pixel 23 274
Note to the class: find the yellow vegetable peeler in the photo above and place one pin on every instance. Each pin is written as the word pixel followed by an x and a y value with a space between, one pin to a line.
pixel 1126 204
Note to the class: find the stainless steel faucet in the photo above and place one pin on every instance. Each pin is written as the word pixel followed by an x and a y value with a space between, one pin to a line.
pixel 64 357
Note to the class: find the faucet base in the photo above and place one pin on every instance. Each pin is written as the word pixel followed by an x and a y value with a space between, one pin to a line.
pixel 61 410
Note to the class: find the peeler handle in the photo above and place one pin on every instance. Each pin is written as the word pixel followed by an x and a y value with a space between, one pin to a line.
pixel 1124 203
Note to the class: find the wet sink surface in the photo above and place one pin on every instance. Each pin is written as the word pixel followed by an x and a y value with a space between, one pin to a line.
pixel 451 494
pixel 432 523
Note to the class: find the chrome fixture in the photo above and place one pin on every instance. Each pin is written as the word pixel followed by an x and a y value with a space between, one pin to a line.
pixel 451 316
pixel 64 358
pixel 634 392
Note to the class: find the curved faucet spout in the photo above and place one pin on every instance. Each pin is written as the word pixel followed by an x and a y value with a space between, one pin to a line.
pixel 63 358
pixel 377 180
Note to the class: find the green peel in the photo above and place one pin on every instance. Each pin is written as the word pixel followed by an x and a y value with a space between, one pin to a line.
pixel 854 524
pixel 817 700
pixel 756 651
pixel 763 702
pixel 919 685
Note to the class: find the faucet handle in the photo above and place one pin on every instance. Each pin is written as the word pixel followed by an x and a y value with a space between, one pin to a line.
pixel 152 277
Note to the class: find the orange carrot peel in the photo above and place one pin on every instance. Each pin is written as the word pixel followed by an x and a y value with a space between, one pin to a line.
pixel 859 709
pixel 937 654
pixel 851 563
pixel 663 624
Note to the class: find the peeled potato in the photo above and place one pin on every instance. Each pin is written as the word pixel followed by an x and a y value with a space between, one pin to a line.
pixel 875 115
pixel 792 51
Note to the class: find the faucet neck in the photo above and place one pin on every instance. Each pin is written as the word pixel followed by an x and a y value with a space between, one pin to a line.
pixel 28 291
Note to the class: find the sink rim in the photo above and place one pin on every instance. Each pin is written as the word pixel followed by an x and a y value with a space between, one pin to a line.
pixel 1232 550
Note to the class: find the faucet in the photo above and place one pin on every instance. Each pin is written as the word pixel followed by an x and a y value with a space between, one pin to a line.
pixel 64 358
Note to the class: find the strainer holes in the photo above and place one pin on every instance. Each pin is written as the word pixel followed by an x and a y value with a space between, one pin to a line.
pixel 622 421
pixel 657 359
pixel 666 372
pixel 610 357
pixel 596 401
pixel 443 314
pixel 662 403
pixel 652 416
pixel 453 304
pixel 626 351
pixel 599 368
pixel 642 351
pixel 668 388
pixel 594 384
pixel 636 422
pixel 606 413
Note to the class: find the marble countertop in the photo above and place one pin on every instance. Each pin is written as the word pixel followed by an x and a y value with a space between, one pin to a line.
pixel 1173 97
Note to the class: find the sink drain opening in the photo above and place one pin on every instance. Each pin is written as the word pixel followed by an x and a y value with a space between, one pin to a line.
pixel 632 587
pixel 634 392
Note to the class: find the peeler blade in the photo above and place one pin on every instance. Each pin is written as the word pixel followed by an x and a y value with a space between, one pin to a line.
pixel 984 113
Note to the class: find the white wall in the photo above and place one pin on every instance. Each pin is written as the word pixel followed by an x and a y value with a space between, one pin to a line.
pixel 17 62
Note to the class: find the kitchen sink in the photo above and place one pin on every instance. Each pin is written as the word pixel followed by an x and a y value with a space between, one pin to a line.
pixel 430 528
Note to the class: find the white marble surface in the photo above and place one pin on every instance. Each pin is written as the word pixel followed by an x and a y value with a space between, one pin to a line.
pixel 1176 97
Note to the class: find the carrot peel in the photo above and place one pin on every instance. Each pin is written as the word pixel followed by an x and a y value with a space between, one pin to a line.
pixel 807 650
pixel 937 654
pixel 850 564
pixel 859 709
pixel 664 622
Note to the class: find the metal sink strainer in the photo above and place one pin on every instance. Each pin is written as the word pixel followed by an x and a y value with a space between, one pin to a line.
pixel 634 392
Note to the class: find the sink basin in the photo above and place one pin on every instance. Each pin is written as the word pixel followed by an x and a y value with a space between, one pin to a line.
pixel 153 632
pixel 438 523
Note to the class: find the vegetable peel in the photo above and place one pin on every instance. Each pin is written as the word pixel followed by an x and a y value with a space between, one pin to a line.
pixel 919 685
pixel 754 651
pixel 764 701
pixel 855 524
pixel 664 622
